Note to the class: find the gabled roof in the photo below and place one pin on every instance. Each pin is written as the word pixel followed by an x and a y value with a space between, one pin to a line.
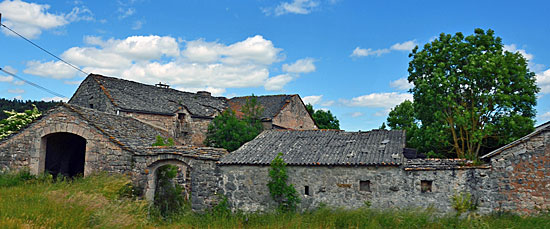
pixel 272 104
pixel 322 147
pixel 125 131
pixel 137 97
pixel 539 129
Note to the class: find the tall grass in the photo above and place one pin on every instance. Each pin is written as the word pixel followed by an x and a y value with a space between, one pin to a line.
pixel 27 201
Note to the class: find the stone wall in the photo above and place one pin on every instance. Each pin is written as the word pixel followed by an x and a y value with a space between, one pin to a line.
pixel 522 176
pixel 340 186
pixel 294 115
pixel 27 148
pixel 90 94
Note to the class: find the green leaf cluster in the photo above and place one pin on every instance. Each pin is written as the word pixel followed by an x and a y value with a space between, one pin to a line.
pixel 229 132
pixel 470 96
pixel 323 119
pixel 285 195
pixel 169 198
pixel 17 121
pixel 160 141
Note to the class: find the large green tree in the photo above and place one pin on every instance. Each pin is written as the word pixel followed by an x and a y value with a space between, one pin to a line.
pixel 323 119
pixel 470 94
pixel 229 132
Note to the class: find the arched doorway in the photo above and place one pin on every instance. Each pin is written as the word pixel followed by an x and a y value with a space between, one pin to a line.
pixel 65 154
pixel 182 178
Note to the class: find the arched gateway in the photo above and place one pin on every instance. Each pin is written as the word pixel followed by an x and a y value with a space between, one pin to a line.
pixel 65 154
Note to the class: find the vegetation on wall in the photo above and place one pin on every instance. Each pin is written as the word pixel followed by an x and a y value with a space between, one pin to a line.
pixel 169 198
pixel 323 119
pixel 160 141
pixel 17 120
pixel 284 194
pixel 229 132
pixel 95 202
pixel 470 96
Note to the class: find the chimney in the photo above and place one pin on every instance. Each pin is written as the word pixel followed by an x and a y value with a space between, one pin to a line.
pixel 162 85
pixel 204 93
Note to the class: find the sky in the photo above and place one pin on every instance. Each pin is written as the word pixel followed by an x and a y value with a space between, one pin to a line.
pixel 349 57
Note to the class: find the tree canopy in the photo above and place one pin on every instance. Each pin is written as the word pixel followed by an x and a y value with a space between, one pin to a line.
pixel 323 119
pixel 470 96
pixel 17 121
pixel 229 132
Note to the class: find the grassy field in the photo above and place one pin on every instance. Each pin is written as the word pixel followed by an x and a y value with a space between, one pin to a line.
pixel 100 201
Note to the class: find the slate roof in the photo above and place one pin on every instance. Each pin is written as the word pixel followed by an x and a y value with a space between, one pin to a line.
pixel 272 104
pixel 321 147
pixel 538 129
pixel 133 96
pixel 127 132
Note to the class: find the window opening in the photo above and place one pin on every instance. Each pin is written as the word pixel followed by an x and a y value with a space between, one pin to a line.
pixel 306 190
pixel 426 186
pixel 364 185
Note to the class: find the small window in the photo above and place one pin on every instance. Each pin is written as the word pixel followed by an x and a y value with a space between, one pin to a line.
pixel 91 105
pixel 364 185
pixel 306 190
pixel 181 116
pixel 426 186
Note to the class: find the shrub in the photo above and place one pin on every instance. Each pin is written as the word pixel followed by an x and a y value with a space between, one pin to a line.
pixel 462 201
pixel 285 195
pixel 168 195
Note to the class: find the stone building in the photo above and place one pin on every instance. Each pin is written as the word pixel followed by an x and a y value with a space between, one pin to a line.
pixel 349 170
pixel 521 173
pixel 70 140
pixel 184 115
pixel 279 111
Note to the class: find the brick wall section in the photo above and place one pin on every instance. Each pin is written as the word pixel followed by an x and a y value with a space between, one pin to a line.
pixel 339 186
pixel 522 176
pixel 294 116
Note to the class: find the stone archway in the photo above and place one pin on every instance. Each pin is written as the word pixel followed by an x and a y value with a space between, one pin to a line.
pixel 183 177
pixel 65 154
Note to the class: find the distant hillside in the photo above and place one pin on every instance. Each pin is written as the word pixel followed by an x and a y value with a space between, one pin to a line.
pixel 20 106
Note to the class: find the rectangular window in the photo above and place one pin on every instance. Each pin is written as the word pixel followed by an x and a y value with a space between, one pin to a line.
pixel 306 190
pixel 181 116
pixel 426 185
pixel 364 185
pixel 91 105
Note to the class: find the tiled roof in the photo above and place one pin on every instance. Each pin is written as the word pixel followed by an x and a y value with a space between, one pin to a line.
pixel 272 104
pixel 127 132
pixel 322 147
pixel 134 96
pixel 538 129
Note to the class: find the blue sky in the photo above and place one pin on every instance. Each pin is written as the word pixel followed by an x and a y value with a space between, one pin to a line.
pixel 350 57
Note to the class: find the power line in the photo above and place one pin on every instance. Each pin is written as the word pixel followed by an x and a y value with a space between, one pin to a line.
pixel 75 67
pixel 33 84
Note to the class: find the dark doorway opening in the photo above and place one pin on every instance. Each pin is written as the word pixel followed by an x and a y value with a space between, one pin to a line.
pixel 65 154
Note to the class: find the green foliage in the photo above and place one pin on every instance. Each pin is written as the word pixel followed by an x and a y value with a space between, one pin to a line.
pixel 470 96
pixel 323 119
pixel 285 195
pixel 21 106
pixel 17 121
pixel 462 202
pixel 169 198
pixel 94 202
pixel 383 126
pixel 161 142
pixel 228 132
pixel 222 209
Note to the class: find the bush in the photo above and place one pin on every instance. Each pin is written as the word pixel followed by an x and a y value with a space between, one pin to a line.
pixel 168 195
pixel 285 195
pixel 462 201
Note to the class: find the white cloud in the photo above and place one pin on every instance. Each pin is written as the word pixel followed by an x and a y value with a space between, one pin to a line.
pixel 137 25
pixel 513 49
pixel 18 97
pixel 277 83
pixel 30 19
pixel 18 82
pixel 544 117
pixel 405 46
pixel 360 52
pixel 312 99
pixel 543 81
pixel 401 84
pixel 356 114
pixel 72 82
pixel 10 69
pixel 200 64
pixel 300 66
pixel 55 99
pixel 124 13
pixel 16 91
pixel 51 69
pixel 379 100
pixel 294 7
pixel 212 90
pixel 6 78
